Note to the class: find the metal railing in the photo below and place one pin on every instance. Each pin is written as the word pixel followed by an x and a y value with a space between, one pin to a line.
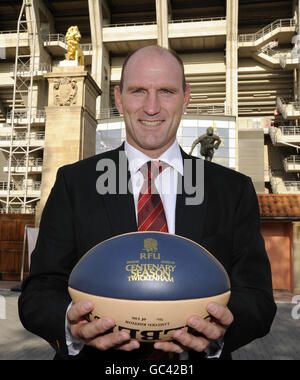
pixel 23 136
pixel 20 186
pixel 57 37
pixel 280 23
pixel 108 113
pixel 281 183
pixel 22 113
pixel 293 159
pixel 292 186
pixel 170 22
pixel 26 68
pixel 208 109
pixel 8 31
pixel 290 130
pixel 32 162
pixel 17 210
pixel 86 47
pixel 287 108
pixel 203 19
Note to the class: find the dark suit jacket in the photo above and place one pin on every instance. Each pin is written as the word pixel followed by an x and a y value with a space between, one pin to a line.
pixel 76 218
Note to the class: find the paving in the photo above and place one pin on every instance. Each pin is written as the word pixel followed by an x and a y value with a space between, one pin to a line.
pixel 281 344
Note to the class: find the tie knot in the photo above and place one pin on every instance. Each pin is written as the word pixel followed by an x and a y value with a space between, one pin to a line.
pixel 152 169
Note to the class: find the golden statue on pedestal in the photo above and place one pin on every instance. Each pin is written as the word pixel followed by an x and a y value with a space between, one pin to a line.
pixel 73 37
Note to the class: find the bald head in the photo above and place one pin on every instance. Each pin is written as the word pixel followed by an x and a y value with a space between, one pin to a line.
pixel 149 51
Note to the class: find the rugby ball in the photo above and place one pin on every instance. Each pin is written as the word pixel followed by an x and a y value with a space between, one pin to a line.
pixel 149 283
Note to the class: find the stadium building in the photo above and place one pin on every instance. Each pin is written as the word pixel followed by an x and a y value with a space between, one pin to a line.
pixel 241 59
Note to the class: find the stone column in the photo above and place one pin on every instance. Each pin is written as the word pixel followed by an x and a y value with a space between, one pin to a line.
pixel 232 56
pixel 100 60
pixel 162 17
pixel 70 130
pixel 296 256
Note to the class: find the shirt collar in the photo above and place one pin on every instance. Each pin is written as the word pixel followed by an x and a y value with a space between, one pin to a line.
pixel 172 156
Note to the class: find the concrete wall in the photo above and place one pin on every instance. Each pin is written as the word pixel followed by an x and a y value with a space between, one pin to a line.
pixel 251 156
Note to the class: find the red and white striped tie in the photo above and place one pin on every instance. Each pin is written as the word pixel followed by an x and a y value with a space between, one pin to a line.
pixel 151 214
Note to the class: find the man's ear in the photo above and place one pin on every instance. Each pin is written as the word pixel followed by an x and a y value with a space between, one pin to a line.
pixel 187 95
pixel 118 99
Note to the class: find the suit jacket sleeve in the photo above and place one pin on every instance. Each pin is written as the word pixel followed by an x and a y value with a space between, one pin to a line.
pixel 251 303
pixel 44 298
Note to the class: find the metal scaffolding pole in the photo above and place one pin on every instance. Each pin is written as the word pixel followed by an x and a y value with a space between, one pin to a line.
pixel 23 87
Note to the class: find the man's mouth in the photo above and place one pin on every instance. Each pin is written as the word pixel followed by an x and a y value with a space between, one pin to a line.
pixel 153 123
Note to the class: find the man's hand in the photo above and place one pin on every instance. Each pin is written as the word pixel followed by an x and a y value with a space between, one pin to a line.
pixel 97 333
pixel 209 331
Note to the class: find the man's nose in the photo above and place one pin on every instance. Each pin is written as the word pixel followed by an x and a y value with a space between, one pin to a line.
pixel 152 104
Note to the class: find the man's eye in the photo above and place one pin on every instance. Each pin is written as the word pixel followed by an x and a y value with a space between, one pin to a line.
pixel 138 91
pixel 166 91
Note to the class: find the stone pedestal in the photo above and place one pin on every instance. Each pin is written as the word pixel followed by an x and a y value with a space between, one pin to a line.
pixel 70 130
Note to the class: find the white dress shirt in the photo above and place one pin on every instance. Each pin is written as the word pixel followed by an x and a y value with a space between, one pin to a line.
pixel 165 182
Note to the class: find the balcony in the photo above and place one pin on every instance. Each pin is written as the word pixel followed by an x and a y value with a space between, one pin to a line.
pixel 26 116
pixel 35 139
pixel 57 46
pixel 289 110
pixel 26 70
pixel 286 28
pixel 276 59
pixel 292 163
pixel 18 189
pixel 35 166
pixel 285 135
pixel 282 182
pixel 18 210
pixel 203 27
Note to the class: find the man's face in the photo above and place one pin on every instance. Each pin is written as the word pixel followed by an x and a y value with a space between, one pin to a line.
pixel 152 101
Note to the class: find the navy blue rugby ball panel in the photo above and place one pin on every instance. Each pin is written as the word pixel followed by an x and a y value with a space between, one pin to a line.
pixel 149 266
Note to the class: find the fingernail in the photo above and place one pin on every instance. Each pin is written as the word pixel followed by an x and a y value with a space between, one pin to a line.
pixel 212 308
pixel 135 344
pixel 193 322
pixel 124 335
pixel 87 306
pixel 178 334
pixel 107 323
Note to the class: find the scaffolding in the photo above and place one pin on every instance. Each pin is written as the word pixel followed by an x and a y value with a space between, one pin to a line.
pixel 23 75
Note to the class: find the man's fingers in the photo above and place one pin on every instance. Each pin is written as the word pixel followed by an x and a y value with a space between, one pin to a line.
pixel 221 314
pixel 78 311
pixel 88 331
pixel 190 341
pixel 206 328
pixel 129 346
pixel 169 347
pixel 107 341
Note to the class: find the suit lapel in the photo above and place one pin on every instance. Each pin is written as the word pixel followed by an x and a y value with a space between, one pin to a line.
pixel 120 206
pixel 190 219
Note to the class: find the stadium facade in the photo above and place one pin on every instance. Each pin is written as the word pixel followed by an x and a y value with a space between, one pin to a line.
pixel 241 59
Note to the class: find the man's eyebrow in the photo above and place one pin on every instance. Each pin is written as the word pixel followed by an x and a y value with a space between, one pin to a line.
pixel 169 88
pixel 137 87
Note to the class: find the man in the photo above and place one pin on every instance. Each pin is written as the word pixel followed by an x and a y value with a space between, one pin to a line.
pixel 209 142
pixel 152 96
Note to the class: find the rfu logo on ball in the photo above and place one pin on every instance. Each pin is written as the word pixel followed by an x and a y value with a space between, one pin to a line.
pixel 151 248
